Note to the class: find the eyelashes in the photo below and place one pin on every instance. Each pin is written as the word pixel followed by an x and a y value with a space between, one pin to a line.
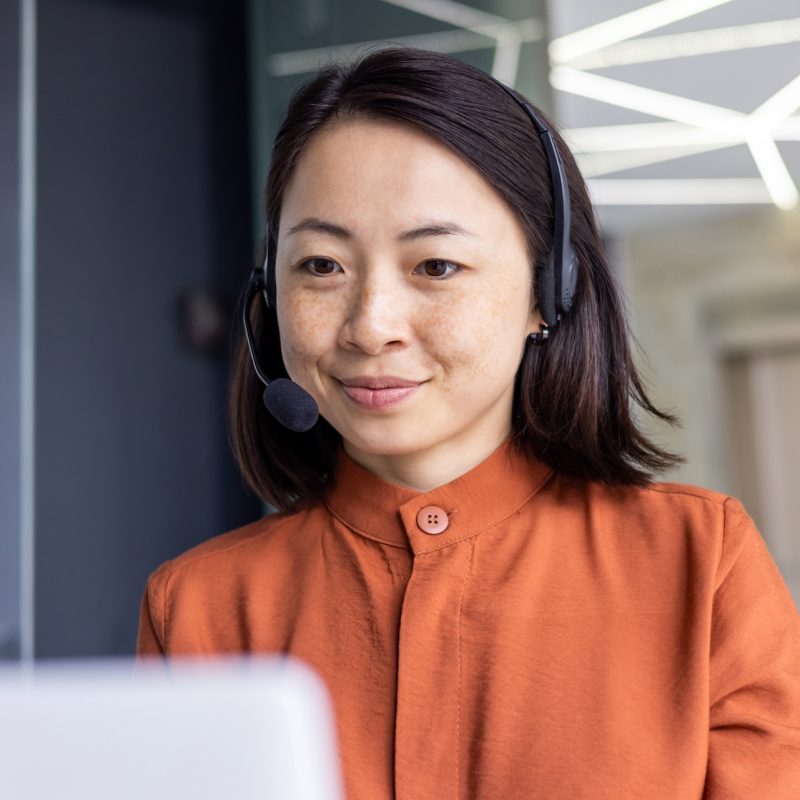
pixel 326 262
pixel 440 261
pixel 321 267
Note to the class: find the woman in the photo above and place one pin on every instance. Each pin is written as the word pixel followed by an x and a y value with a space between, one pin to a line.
pixel 470 548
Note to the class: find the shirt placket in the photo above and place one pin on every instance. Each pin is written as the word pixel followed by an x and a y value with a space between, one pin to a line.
pixel 429 680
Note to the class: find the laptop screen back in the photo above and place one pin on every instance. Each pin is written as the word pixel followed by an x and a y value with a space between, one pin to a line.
pixel 257 728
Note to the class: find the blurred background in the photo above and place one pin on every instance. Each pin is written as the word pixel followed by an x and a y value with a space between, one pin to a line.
pixel 134 146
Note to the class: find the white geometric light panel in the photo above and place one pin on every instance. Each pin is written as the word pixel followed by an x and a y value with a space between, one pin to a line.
pixel 689 126
pixel 683 126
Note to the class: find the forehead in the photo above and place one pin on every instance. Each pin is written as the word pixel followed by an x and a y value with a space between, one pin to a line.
pixel 367 171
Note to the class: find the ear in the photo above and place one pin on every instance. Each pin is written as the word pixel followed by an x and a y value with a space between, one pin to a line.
pixel 535 321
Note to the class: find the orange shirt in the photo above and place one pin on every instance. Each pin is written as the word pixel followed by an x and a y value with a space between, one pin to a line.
pixel 559 639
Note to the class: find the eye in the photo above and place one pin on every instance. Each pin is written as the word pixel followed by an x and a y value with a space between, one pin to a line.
pixel 320 266
pixel 438 268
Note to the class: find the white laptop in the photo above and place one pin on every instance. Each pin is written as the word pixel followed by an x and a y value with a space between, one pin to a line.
pixel 250 728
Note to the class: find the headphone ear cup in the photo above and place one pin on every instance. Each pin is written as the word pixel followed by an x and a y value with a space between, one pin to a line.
pixel 569 280
pixel 270 291
pixel 545 286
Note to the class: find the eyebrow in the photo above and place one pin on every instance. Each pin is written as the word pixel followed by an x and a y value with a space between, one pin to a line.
pixel 434 228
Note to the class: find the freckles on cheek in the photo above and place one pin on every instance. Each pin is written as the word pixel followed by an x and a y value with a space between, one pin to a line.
pixel 481 340
pixel 461 342
pixel 305 329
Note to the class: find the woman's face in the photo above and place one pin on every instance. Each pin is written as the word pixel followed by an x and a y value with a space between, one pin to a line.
pixel 403 292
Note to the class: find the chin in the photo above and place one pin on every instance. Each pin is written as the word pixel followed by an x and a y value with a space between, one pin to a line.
pixel 387 442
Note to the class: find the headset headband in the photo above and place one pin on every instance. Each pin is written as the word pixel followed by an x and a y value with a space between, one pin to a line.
pixel 558 279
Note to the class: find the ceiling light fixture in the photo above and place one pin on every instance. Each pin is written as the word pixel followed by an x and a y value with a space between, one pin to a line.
pixel 779 106
pixel 772 167
pixel 692 43
pixel 687 191
pixel 625 26
pixel 594 164
pixel 646 101
pixel 650 135
pixel 754 129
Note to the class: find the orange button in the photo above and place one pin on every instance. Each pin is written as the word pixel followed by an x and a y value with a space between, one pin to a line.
pixel 432 519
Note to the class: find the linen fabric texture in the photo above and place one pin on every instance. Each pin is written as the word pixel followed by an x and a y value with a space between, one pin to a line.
pixel 560 639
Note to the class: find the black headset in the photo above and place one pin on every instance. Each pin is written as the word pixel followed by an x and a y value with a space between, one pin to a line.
pixel 556 282
pixel 558 278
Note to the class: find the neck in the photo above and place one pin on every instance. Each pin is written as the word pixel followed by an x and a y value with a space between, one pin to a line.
pixel 426 469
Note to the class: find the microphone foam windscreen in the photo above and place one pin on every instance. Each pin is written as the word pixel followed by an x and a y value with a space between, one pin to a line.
pixel 291 405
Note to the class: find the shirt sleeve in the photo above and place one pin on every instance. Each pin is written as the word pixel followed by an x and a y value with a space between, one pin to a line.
pixel 754 724
pixel 150 639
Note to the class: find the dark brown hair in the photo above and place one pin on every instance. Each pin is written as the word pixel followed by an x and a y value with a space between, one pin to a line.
pixel 575 397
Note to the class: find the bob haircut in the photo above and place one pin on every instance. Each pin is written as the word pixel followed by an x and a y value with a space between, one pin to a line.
pixel 574 397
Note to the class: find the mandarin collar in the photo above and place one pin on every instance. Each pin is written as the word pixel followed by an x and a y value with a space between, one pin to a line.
pixel 490 492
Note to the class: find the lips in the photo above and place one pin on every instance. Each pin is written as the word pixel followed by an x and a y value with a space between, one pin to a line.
pixel 379 392
pixel 379 382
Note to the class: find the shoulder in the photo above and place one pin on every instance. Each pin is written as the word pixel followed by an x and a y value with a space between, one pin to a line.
pixel 726 508
pixel 272 538
pixel 659 507
pixel 686 493
pixel 661 498
pixel 674 523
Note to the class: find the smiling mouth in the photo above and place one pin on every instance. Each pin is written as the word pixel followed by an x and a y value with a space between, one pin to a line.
pixel 379 398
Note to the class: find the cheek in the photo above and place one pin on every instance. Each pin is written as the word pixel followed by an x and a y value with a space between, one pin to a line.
pixel 306 333
pixel 480 339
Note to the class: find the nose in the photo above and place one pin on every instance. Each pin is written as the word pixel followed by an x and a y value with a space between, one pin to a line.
pixel 377 316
